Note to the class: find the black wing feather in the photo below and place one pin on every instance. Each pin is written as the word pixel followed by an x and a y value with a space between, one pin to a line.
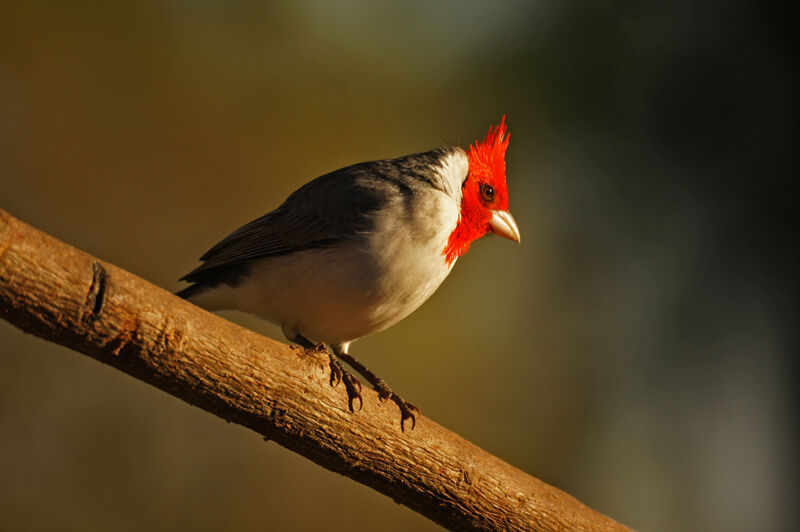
pixel 322 213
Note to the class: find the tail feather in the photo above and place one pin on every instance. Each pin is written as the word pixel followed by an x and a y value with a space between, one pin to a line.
pixel 191 291
pixel 230 274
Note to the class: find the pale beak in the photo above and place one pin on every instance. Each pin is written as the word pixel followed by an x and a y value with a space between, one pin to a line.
pixel 503 224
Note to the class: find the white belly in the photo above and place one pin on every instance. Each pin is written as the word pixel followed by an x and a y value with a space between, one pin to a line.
pixel 338 294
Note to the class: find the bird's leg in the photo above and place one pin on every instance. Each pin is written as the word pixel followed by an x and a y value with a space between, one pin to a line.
pixel 304 342
pixel 338 373
pixel 384 392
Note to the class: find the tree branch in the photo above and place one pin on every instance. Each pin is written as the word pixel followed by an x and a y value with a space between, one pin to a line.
pixel 61 294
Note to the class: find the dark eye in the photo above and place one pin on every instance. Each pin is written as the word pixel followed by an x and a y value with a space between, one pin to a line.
pixel 487 192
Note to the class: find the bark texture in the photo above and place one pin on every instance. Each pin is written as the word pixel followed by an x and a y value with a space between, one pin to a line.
pixel 61 294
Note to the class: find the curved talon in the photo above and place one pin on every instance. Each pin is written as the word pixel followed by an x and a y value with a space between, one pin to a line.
pixel 351 384
pixel 405 411
pixel 336 373
pixel 403 420
pixel 350 400
pixel 405 414
pixel 353 387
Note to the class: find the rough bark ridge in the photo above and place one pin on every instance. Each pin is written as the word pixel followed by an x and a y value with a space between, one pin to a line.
pixel 61 294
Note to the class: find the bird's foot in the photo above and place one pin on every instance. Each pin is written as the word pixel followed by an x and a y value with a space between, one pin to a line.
pixel 385 393
pixel 351 384
pixel 405 411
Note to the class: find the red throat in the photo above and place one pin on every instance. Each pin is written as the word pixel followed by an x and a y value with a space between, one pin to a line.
pixel 487 168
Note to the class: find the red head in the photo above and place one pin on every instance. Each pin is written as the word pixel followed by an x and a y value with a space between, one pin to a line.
pixel 484 195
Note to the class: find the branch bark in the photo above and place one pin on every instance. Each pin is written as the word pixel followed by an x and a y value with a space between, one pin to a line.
pixel 61 294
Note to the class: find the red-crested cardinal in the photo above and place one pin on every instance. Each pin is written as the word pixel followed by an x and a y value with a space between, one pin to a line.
pixel 357 250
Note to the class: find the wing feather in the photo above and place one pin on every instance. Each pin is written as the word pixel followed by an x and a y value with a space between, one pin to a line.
pixel 322 213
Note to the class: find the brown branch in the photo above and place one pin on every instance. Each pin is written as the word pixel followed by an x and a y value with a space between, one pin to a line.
pixel 66 296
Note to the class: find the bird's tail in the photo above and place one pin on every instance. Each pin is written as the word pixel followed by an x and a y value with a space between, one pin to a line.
pixel 191 291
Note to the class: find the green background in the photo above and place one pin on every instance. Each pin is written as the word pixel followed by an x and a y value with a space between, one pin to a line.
pixel 637 350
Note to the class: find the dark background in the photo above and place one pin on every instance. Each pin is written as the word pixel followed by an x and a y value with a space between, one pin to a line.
pixel 637 350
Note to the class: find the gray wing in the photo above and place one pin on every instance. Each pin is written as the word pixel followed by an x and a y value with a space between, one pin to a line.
pixel 322 213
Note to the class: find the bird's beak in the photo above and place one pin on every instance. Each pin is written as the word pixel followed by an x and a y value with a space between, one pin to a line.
pixel 503 224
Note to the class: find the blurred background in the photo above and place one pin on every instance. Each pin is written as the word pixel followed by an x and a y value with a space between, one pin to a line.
pixel 637 350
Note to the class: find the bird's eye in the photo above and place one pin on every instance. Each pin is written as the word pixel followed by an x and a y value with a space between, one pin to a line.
pixel 487 192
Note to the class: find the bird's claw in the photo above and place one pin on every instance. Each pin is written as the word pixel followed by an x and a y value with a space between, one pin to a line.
pixel 353 387
pixel 385 393
pixel 336 372
pixel 351 384
pixel 406 409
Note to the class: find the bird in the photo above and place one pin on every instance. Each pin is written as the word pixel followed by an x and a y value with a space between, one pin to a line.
pixel 356 250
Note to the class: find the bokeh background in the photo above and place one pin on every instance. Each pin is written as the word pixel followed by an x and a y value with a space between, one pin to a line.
pixel 637 350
